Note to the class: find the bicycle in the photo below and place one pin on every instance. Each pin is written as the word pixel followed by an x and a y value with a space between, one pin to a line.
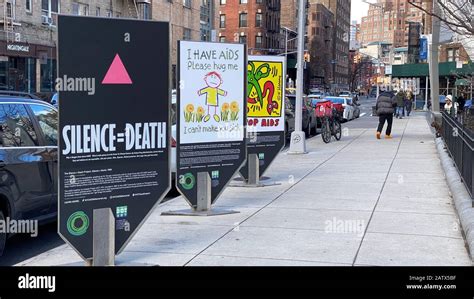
pixel 330 120
pixel 330 126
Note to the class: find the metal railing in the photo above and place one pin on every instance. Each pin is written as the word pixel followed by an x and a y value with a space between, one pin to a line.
pixel 459 140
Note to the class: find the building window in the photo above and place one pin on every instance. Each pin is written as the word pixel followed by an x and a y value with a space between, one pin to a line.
pixel 108 13
pixel 97 11
pixel 243 39
pixel 223 2
pixel 258 42
pixel 453 55
pixel 258 20
pixel 243 1
pixel 28 5
pixel 144 11
pixel 186 34
pixel 49 11
pixel 222 21
pixel 187 3
pixel 259 1
pixel 243 20
pixel 10 9
pixel 80 9
pixel 222 39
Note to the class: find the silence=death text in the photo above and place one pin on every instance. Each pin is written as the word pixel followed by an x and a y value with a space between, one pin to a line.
pixel 83 139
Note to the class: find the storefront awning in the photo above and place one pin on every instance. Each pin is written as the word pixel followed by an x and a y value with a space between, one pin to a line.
pixel 422 70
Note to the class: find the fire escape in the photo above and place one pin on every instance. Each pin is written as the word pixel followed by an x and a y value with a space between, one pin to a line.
pixel 8 20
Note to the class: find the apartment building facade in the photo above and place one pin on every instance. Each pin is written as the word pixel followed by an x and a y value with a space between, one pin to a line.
pixel 340 43
pixel 254 22
pixel 320 36
pixel 28 32
pixel 389 21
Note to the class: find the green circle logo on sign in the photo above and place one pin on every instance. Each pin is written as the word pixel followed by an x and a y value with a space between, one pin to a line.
pixel 187 181
pixel 78 223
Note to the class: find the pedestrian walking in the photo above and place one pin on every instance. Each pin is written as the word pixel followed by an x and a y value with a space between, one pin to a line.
pixel 385 105
pixel 408 103
pixel 450 107
pixel 400 101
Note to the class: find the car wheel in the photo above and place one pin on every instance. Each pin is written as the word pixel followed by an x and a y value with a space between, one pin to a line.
pixel 3 235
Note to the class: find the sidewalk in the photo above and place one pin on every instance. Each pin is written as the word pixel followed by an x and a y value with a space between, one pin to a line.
pixel 360 201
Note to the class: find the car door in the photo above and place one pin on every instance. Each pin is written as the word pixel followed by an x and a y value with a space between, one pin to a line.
pixel 290 115
pixel 24 162
pixel 46 119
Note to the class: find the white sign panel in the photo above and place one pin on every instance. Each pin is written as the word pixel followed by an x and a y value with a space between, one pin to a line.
pixel 211 92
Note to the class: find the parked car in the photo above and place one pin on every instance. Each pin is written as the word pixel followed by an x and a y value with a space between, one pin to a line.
pixel 309 122
pixel 289 118
pixel 355 105
pixel 28 160
pixel 55 100
pixel 346 103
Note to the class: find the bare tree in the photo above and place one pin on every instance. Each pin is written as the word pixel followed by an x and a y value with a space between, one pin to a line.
pixel 457 15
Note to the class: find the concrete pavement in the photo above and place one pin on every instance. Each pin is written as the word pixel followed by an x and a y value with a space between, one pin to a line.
pixel 359 201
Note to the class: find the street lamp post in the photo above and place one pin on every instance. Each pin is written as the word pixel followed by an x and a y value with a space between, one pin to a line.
pixel 298 140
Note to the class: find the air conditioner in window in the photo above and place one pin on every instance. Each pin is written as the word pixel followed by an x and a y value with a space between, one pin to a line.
pixel 45 20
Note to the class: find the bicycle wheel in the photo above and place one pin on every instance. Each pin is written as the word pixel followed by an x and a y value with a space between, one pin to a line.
pixel 337 130
pixel 326 131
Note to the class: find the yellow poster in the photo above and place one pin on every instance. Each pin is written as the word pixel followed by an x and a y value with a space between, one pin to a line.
pixel 265 89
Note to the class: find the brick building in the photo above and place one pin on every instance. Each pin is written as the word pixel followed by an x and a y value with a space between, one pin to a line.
pixel 453 51
pixel 389 20
pixel 289 14
pixel 254 22
pixel 340 41
pixel 320 36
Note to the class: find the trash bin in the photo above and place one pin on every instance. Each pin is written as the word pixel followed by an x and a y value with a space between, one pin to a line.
pixel 374 111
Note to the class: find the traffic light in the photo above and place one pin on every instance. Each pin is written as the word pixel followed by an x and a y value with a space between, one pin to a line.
pixel 307 57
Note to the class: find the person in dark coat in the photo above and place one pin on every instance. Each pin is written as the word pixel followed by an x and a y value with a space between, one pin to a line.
pixel 408 102
pixel 400 101
pixel 385 108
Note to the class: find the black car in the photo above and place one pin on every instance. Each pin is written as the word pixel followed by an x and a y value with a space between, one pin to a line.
pixel 28 158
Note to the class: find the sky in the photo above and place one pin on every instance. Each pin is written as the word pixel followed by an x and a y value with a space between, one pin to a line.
pixel 358 10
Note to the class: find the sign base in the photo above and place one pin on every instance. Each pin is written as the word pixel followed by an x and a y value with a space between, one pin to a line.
pixel 192 212
pixel 103 238
pixel 203 207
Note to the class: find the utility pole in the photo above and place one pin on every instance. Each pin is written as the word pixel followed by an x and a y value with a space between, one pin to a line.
pixel 298 140
pixel 433 61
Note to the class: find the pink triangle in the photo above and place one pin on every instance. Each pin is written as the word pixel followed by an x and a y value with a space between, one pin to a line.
pixel 117 74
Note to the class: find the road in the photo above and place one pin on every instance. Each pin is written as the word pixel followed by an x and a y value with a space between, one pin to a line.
pixel 23 247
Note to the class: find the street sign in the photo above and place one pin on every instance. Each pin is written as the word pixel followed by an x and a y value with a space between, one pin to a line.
pixel 113 83
pixel 211 118
pixel 265 110
pixel 423 48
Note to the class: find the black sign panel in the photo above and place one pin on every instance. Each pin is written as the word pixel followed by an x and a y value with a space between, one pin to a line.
pixel 265 110
pixel 211 114
pixel 113 82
